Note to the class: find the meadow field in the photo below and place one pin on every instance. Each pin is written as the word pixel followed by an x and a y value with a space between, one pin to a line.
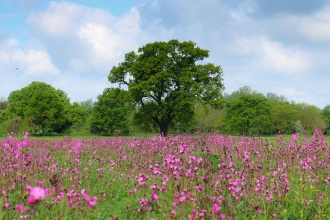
pixel 209 176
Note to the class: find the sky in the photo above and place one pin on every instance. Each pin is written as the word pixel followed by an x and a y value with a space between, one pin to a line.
pixel 278 46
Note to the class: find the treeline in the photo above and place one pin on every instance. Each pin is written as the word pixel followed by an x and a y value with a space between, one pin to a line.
pixel 249 112
pixel 42 109
pixel 168 92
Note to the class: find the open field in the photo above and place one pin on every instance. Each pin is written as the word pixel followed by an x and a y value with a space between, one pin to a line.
pixel 189 177
pixel 73 136
pixel 269 138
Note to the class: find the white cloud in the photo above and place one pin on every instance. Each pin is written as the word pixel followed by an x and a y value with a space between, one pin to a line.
pixel 315 27
pixel 30 62
pixel 283 59
pixel 269 54
pixel 95 40
pixel 105 42
pixel 60 19
pixel 35 63
pixel 56 20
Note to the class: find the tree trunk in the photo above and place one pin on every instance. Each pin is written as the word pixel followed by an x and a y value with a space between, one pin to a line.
pixel 163 129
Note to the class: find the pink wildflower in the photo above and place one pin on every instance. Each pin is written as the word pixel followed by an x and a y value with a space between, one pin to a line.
pixel 215 209
pixel 92 202
pixel 21 208
pixel 246 156
pixel 306 203
pixel 294 137
pixel 36 194
pixel 154 196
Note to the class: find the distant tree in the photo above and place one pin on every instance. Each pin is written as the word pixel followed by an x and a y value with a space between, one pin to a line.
pixel 208 118
pixel 274 97
pixel 112 111
pixel 248 114
pixel 299 127
pixel 15 125
pixel 325 114
pixel 3 103
pixel 284 117
pixel 18 100
pixel 46 108
pixel 87 104
pixel 242 91
pixel 3 115
pixel 67 106
pixel 42 102
pixel 3 109
pixel 166 82
pixel 77 116
pixel 311 118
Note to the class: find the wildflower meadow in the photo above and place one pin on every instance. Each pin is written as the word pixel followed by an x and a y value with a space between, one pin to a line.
pixel 210 176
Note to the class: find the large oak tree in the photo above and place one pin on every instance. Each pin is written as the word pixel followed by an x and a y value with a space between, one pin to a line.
pixel 166 81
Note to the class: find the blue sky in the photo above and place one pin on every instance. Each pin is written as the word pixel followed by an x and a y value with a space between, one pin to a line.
pixel 272 46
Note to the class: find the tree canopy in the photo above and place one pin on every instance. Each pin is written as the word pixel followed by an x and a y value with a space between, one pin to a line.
pixel 87 104
pixel 242 91
pixel 166 81
pixel 284 117
pixel 3 103
pixel 248 114
pixel 311 118
pixel 325 113
pixel 46 109
pixel 39 101
pixel 111 111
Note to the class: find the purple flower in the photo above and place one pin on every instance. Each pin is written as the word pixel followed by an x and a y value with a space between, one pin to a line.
pixel 36 194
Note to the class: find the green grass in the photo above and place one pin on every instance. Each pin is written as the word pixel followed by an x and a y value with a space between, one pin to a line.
pixel 269 138
pixel 272 138
pixel 74 136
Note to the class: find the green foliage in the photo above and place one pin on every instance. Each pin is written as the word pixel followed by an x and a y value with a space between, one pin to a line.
pixel 284 117
pixel 3 103
pixel 325 114
pixel 311 118
pixel 77 116
pixel 208 118
pixel 112 111
pixel 46 109
pixel 299 128
pixel 166 82
pixel 16 125
pixel 143 122
pixel 248 114
pixel 242 91
pixel 87 104
pixel 272 97
pixel 18 101
pixel 3 110
pixel 3 115
pixel 47 105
